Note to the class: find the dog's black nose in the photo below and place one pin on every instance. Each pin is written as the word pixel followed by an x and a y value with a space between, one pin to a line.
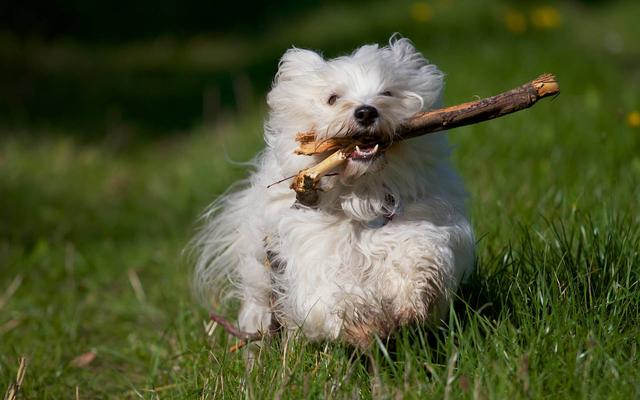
pixel 365 115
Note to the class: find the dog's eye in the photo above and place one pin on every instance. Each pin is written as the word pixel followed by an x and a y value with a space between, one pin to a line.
pixel 386 93
pixel 332 99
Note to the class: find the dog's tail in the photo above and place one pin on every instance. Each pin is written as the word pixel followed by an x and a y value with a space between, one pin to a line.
pixel 215 248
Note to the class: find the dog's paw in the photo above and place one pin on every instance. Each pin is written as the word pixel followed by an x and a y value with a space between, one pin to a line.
pixel 254 317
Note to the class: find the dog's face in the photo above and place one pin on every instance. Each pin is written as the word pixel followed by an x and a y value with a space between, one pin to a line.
pixel 366 94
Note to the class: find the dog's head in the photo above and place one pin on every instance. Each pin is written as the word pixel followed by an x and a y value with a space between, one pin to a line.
pixel 366 94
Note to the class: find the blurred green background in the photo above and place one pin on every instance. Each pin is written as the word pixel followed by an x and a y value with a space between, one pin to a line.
pixel 159 67
pixel 120 121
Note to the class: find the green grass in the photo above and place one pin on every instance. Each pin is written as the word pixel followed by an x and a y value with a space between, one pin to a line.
pixel 553 310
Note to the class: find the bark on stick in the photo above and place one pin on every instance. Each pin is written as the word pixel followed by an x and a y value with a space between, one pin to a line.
pixel 449 117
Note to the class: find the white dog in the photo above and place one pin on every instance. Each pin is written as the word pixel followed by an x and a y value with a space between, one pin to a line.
pixel 389 240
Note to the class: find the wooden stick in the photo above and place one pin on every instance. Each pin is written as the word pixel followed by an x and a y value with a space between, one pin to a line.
pixel 306 182
pixel 450 117
pixel 308 145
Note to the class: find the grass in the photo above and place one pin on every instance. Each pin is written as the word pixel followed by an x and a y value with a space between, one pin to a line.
pixel 92 230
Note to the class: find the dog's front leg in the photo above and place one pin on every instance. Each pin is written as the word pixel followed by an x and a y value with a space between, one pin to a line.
pixel 255 312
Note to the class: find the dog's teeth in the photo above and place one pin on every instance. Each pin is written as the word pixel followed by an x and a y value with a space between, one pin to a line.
pixel 375 149
pixel 358 149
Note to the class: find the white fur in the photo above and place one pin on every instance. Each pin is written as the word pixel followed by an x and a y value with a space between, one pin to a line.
pixel 341 258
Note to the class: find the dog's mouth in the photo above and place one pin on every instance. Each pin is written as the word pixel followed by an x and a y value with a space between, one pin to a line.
pixel 365 152
pixel 368 148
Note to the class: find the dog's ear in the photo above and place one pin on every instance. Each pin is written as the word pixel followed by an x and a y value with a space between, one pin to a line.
pixel 366 49
pixel 297 63
pixel 405 52
pixel 426 80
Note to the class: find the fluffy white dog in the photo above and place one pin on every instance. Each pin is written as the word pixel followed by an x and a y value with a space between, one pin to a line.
pixel 389 240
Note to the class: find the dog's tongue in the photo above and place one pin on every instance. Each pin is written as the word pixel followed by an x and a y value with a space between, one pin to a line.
pixel 364 152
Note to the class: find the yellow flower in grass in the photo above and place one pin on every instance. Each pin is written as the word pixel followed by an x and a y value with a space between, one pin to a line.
pixel 421 11
pixel 633 119
pixel 515 21
pixel 546 17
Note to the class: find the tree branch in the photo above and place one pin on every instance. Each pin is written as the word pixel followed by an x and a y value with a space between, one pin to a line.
pixel 306 182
